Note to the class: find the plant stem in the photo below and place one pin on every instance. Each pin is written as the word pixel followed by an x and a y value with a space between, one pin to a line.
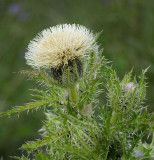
pixel 114 118
pixel 73 93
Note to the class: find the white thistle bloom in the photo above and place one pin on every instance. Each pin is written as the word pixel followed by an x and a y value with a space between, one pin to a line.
pixel 60 44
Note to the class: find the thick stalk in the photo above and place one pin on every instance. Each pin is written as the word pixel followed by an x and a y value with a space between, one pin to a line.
pixel 114 118
pixel 73 93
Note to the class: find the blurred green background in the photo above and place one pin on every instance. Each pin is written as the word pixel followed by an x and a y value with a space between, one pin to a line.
pixel 127 39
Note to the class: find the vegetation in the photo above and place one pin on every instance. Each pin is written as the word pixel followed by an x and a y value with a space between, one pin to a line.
pixel 73 129
pixel 127 38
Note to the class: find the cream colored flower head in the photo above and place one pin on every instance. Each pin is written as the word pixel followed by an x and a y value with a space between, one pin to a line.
pixel 57 45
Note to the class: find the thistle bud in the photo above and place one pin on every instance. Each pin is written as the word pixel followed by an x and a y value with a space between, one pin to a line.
pixel 128 91
pixel 129 87
pixel 68 74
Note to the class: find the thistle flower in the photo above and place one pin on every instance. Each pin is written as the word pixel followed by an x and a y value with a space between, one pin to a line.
pixel 60 44
pixel 62 48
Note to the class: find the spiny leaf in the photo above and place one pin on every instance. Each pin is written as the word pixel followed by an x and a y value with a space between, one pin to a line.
pixel 76 151
pixel 41 76
pixel 39 143
pixel 22 158
pixel 29 106
pixel 97 36
pixel 34 145
pixel 127 78
pixel 42 156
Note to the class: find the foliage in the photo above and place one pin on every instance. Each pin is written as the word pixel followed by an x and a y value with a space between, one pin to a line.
pixel 127 38
pixel 76 131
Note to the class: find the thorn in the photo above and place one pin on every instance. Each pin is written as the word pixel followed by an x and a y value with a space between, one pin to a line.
pixel 145 70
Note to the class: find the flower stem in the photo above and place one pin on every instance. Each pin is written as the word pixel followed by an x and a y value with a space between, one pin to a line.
pixel 114 118
pixel 73 93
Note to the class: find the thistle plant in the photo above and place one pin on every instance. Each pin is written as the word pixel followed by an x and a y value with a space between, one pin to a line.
pixel 75 75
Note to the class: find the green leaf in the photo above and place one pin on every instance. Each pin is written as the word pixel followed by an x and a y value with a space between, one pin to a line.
pixel 32 105
pixel 42 156
pixel 22 158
